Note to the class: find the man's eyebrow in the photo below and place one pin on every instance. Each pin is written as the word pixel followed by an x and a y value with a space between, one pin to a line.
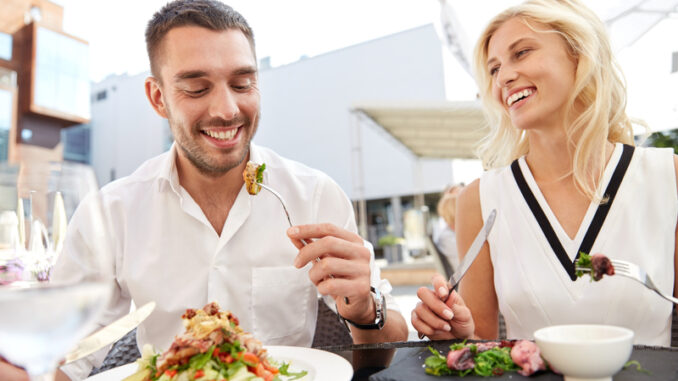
pixel 193 74
pixel 247 70
pixel 511 47
pixel 190 74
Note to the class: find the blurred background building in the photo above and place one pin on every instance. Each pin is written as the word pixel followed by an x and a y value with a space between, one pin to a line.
pixel 44 80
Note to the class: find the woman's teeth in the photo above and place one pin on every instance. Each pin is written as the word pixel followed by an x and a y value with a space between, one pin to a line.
pixel 517 96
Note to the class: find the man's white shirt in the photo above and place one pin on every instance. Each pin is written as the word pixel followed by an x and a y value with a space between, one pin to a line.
pixel 168 252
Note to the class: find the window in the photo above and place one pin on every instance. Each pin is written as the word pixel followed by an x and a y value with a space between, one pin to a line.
pixel 6 112
pixel 7 109
pixel 61 74
pixel 76 142
pixel 5 47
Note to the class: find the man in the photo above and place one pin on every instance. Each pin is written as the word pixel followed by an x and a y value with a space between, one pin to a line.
pixel 187 230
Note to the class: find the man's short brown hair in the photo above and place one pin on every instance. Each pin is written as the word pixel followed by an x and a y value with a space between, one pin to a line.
pixel 210 14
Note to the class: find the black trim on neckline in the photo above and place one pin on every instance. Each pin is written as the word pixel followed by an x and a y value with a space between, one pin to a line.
pixel 596 222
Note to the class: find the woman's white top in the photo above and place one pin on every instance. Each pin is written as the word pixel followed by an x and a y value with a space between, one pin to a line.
pixel 533 288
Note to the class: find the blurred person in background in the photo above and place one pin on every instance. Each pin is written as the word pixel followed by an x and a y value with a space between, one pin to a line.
pixel 564 178
pixel 443 233
pixel 188 231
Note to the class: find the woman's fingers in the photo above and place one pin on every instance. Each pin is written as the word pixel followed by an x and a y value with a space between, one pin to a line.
pixel 435 304
pixel 424 329
pixel 441 286
pixel 462 324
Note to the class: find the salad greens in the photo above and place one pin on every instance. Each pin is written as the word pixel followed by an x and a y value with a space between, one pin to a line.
pixel 260 173
pixel 492 362
pixel 228 361
pixel 583 262
pixel 639 367
pixel 213 348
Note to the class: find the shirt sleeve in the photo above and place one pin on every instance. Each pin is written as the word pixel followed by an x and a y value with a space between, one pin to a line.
pixel 333 206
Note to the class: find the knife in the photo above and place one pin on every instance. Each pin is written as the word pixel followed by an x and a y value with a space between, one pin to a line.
pixel 472 252
pixel 110 333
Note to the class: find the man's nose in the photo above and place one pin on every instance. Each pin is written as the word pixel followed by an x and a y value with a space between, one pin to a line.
pixel 224 104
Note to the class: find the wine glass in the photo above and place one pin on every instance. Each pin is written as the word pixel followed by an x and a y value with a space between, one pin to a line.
pixel 53 281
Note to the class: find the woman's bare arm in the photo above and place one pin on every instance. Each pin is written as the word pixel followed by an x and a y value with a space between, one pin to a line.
pixel 477 286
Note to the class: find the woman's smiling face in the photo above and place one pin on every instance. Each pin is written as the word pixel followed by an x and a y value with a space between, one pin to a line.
pixel 533 73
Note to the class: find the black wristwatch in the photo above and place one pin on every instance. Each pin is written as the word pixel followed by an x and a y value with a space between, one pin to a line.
pixel 379 307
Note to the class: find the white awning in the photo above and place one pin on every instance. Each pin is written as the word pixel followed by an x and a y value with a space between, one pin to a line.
pixel 450 130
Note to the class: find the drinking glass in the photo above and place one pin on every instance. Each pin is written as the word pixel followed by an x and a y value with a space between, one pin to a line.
pixel 53 279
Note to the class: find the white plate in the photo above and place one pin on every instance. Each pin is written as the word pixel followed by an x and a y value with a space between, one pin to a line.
pixel 321 365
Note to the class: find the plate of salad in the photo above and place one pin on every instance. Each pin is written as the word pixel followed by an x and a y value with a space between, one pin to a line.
pixel 214 347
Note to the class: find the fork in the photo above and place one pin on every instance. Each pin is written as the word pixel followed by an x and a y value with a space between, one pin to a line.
pixel 289 220
pixel 632 271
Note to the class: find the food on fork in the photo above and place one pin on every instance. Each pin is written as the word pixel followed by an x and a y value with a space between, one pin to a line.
pixel 253 175
pixel 595 265
pixel 213 347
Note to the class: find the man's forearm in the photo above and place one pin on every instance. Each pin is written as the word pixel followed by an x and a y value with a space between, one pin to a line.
pixel 61 376
pixel 395 329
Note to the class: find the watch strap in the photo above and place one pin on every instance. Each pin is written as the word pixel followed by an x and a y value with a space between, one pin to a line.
pixel 380 309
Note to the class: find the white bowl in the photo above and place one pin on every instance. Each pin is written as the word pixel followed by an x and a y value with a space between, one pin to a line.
pixel 585 352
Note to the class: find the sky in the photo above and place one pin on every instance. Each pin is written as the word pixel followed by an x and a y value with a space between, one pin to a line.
pixel 286 30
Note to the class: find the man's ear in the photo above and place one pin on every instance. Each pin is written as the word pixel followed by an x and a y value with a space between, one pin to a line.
pixel 154 95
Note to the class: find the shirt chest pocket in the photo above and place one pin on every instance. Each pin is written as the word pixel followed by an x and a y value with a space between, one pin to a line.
pixel 280 302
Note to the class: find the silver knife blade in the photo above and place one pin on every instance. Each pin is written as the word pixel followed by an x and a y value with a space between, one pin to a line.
pixel 473 251
pixel 110 333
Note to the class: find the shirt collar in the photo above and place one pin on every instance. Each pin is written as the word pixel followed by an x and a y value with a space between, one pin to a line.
pixel 168 178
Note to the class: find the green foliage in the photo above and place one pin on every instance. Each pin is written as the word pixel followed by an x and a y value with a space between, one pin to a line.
pixel 664 139
pixel 390 240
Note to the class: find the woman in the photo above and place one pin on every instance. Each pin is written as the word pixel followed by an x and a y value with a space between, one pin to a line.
pixel 556 104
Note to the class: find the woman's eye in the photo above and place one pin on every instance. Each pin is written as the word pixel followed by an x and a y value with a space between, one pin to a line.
pixel 494 70
pixel 521 53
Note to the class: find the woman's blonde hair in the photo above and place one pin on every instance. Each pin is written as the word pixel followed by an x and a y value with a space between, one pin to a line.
pixel 599 91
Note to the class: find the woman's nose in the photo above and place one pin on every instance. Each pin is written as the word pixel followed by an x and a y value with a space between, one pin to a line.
pixel 506 75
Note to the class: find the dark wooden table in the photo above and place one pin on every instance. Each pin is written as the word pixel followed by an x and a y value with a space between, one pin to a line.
pixel 403 361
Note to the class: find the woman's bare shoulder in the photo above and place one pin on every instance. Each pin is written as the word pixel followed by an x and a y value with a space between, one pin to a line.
pixel 468 205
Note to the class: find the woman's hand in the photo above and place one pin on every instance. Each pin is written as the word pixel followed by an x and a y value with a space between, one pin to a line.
pixel 442 320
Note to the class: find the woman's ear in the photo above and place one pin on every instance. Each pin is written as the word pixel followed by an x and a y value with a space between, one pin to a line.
pixel 154 95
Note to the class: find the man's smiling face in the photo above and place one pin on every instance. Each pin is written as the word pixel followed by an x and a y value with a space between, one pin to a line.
pixel 208 81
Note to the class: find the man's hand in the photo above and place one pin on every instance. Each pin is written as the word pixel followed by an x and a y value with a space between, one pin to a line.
pixel 9 372
pixel 442 320
pixel 340 267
